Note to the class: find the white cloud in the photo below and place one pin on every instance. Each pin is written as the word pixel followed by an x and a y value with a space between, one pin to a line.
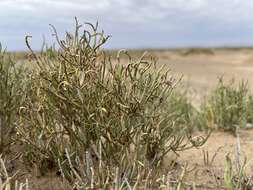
pixel 131 10
pixel 156 16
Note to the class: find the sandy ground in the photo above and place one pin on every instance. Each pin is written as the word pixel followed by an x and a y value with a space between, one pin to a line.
pixel 210 174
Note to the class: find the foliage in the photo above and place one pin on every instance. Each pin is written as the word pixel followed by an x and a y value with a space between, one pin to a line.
pixel 227 106
pixel 84 103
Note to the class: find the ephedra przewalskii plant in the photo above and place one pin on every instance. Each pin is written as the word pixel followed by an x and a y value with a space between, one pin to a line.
pixel 85 103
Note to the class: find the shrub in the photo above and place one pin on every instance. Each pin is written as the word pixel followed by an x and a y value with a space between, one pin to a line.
pixel 227 106
pixel 86 104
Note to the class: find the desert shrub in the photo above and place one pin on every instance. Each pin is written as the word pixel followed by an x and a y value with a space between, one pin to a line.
pixel 11 98
pixel 86 104
pixel 227 106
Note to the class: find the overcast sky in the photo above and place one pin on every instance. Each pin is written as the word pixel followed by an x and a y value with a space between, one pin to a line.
pixel 132 23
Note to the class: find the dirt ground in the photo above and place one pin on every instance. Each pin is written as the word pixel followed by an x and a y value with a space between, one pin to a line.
pixel 209 173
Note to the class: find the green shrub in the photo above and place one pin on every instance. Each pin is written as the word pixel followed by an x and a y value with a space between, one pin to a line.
pixel 86 104
pixel 227 106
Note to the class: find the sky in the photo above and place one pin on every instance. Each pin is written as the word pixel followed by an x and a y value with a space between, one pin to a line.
pixel 131 23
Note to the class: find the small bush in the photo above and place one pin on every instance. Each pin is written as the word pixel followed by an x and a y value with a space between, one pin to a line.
pixel 227 106
pixel 83 102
